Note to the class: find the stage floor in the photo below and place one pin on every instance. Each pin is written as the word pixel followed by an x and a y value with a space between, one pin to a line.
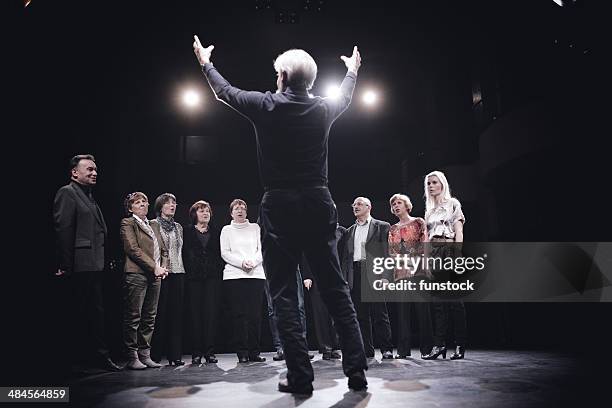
pixel 485 378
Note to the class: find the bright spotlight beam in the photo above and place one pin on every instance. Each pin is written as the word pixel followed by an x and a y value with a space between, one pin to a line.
pixel 191 98
pixel 370 98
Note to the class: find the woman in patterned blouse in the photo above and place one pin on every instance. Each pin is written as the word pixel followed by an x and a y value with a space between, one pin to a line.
pixel 168 334
pixel 406 238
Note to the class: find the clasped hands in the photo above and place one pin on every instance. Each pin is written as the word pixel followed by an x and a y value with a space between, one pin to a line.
pixel 160 272
pixel 248 265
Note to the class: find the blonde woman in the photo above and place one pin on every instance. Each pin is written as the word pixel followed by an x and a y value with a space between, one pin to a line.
pixel 444 219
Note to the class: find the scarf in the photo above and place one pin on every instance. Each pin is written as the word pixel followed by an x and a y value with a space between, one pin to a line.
pixel 167 225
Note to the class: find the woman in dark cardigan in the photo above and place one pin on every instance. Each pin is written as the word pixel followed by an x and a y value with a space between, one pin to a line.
pixel 204 268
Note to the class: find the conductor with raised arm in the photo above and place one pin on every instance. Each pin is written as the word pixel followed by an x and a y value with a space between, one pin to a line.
pixel 297 213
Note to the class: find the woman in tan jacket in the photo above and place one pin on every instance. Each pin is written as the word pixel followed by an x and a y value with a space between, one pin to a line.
pixel 143 273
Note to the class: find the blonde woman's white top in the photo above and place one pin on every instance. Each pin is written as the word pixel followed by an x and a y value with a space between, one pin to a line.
pixel 442 218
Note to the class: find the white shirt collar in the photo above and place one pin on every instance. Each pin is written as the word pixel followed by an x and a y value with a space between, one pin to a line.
pixel 366 222
pixel 145 221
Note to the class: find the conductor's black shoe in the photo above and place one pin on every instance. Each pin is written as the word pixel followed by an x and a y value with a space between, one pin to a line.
pixel 331 355
pixel 357 381
pixel 284 386
pixel 211 359
pixel 279 356
pixel 196 360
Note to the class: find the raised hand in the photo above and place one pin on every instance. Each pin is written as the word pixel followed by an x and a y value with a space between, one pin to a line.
pixel 308 283
pixel 354 62
pixel 203 54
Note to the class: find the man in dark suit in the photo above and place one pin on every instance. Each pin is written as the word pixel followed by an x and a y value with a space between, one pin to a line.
pixel 365 240
pixel 297 212
pixel 81 232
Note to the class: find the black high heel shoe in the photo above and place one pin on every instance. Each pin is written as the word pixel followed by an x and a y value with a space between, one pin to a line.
pixel 435 352
pixel 459 353
pixel 196 360
pixel 176 363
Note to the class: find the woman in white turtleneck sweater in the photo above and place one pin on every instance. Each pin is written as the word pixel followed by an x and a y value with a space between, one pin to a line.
pixel 244 279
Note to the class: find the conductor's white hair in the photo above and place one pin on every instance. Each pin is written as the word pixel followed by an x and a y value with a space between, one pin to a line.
pixel 299 66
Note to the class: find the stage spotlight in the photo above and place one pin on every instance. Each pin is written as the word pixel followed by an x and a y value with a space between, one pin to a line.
pixel 370 98
pixel 567 3
pixel 333 91
pixel 191 98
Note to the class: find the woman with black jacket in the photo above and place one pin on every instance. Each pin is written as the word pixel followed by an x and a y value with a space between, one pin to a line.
pixel 204 273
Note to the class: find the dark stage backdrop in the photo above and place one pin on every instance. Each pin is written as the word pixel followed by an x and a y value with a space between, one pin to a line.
pixel 505 97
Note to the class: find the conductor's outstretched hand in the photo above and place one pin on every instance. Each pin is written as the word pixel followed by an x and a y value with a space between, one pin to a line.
pixel 202 53
pixel 354 62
